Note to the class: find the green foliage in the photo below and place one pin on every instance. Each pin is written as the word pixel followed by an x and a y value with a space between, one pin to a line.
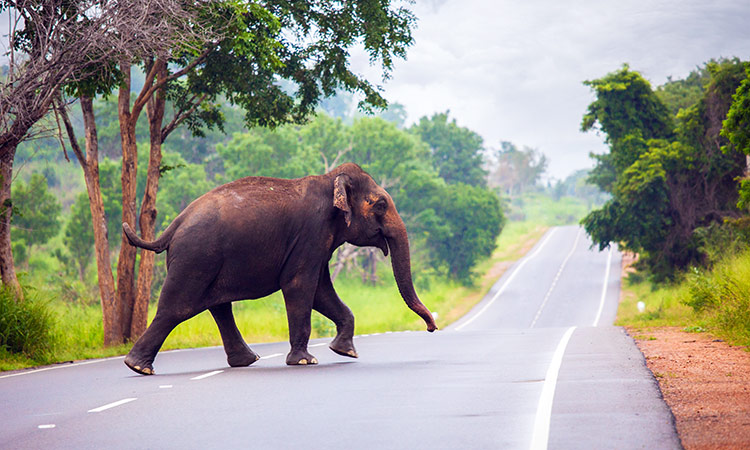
pixel 264 152
pixel 384 151
pixel 682 94
pixel 515 171
pixel 26 327
pixel 179 186
pixel 456 151
pixel 625 102
pixel 722 296
pixel 463 223
pixel 736 128
pixel 665 183
pixel 79 235
pixel 36 215
pixel 109 179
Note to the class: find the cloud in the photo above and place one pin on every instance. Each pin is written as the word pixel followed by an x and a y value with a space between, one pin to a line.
pixel 513 70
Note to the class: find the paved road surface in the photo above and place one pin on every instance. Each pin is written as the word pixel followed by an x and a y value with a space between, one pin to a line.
pixel 536 364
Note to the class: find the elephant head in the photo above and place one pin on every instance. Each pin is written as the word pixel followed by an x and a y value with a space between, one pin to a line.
pixel 371 220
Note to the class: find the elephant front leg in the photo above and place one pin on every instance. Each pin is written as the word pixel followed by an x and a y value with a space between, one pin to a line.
pixel 238 353
pixel 328 303
pixel 299 300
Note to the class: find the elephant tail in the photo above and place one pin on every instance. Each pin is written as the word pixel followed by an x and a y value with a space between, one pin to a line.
pixel 157 246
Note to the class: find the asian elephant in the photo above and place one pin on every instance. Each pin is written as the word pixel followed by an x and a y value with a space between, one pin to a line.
pixel 256 235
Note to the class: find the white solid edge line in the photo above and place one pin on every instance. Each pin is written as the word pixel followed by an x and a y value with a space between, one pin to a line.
pixel 540 437
pixel 112 405
pixel 507 282
pixel 556 279
pixel 274 355
pixel 61 366
pixel 604 289
pixel 206 375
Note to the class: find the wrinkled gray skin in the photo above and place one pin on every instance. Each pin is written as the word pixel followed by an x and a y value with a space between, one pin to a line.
pixel 254 236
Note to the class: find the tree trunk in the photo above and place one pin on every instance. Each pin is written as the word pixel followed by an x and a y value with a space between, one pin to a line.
pixel 7 269
pixel 126 260
pixel 90 163
pixel 147 219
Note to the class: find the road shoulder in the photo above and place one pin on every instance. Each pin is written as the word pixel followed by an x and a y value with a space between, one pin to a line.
pixel 706 383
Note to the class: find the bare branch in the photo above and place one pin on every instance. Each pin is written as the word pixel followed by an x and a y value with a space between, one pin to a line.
pixel 67 40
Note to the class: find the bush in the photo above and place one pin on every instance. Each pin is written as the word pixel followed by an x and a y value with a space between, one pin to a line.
pixel 722 295
pixel 26 327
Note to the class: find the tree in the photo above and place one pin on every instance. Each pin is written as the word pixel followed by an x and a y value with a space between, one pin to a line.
pixel 79 237
pixel 52 43
pixel 514 170
pixel 665 183
pixel 38 217
pixel 256 45
pixel 736 128
pixel 37 214
pixel 264 152
pixel 462 223
pixel 456 151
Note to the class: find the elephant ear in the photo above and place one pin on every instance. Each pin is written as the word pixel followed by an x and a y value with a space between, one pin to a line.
pixel 340 199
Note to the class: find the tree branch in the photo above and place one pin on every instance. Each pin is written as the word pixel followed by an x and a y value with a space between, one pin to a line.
pixel 71 134
pixel 181 116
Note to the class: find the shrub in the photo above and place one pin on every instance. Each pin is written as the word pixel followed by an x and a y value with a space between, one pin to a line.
pixel 723 296
pixel 26 327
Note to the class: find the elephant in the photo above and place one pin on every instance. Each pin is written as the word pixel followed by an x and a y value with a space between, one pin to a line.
pixel 257 235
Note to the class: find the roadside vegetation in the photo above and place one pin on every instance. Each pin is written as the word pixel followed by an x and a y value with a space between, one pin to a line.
pixel 677 175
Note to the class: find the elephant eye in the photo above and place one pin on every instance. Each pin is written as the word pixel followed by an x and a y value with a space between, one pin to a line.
pixel 380 206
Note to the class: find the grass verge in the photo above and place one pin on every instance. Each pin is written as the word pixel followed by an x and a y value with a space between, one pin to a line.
pixel 715 300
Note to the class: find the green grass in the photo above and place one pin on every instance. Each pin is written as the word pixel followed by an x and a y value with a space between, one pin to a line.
pixel 663 307
pixel 715 300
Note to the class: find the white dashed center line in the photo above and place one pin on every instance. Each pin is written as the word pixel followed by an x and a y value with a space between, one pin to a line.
pixel 112 405
pixel 206 375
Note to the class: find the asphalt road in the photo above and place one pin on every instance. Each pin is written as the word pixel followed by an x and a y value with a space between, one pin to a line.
pixel 537 364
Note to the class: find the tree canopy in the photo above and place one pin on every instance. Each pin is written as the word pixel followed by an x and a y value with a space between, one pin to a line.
pixel 666 173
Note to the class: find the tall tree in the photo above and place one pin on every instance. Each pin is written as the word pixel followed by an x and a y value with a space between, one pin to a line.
pixel 53 43
pixel 456 151
pixel 736 128
pixel 665 181
pixel 258 44
pixel 514 170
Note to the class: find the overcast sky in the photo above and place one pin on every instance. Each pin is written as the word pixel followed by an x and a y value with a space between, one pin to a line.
pixel 513 70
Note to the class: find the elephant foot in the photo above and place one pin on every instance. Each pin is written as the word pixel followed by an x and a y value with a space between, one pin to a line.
pixel 344 347
pixel 300 358
pixel 144 368
pixel 242 358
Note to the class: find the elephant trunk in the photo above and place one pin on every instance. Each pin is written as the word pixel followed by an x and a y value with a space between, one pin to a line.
pixel 398 242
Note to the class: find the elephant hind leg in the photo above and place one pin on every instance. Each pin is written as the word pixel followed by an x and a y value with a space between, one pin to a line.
pixel 238 353
pixel 177 303
pixel 141 357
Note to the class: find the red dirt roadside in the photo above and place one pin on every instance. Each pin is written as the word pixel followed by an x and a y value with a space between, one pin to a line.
pixel 705 382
